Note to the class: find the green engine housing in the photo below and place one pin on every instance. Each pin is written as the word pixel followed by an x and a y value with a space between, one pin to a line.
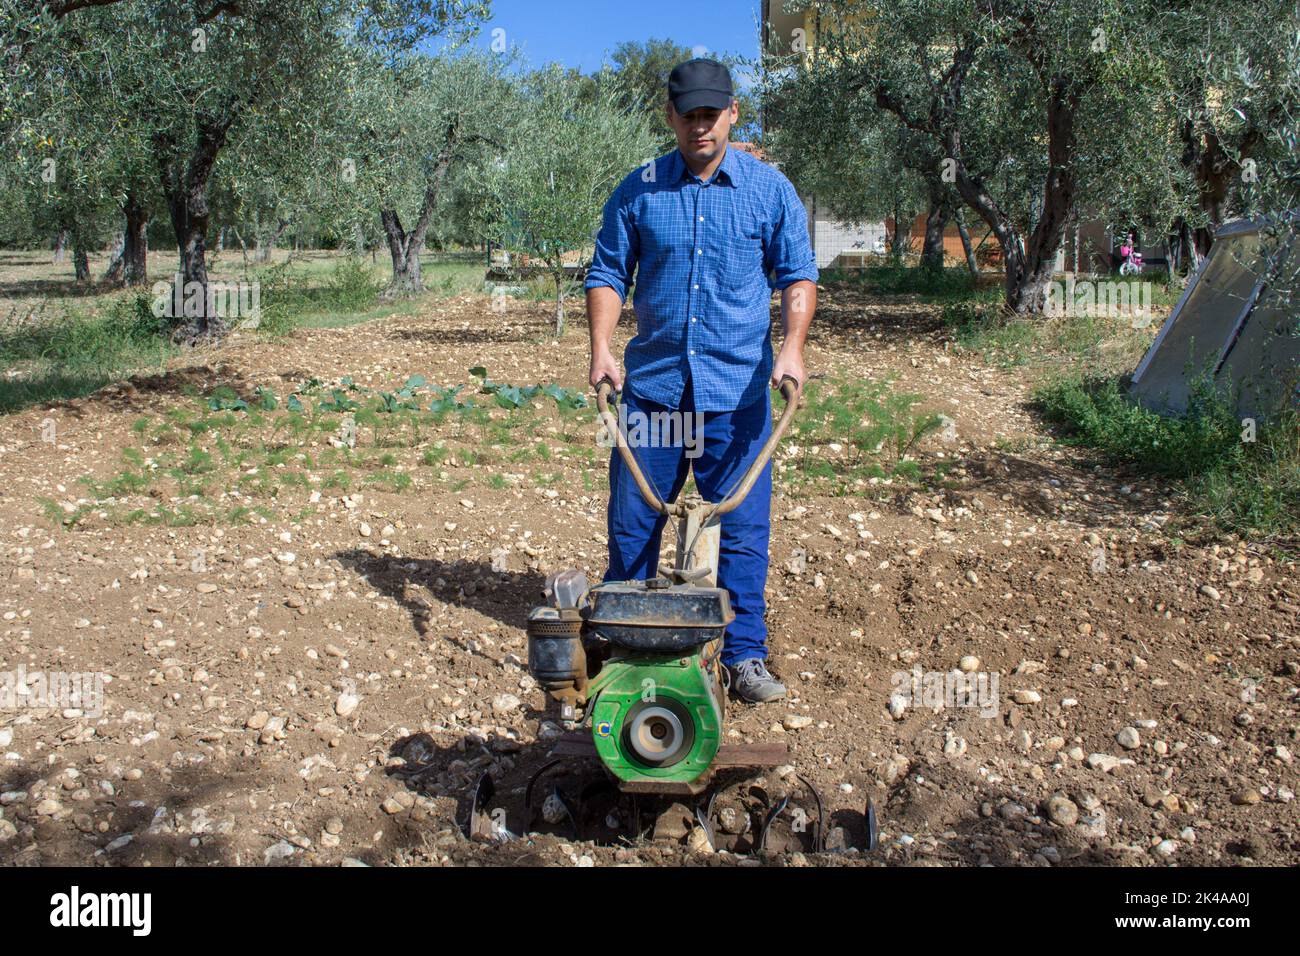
pixel 656 719
pixel 640 659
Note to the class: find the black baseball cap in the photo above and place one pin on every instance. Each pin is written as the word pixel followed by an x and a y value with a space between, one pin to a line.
pixel 700 83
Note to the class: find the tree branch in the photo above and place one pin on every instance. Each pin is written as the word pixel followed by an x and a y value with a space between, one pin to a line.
pixel 61 8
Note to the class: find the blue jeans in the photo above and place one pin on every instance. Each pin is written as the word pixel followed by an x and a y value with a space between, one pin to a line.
pixel 731 442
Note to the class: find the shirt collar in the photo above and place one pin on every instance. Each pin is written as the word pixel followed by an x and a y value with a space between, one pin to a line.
pixel 729 171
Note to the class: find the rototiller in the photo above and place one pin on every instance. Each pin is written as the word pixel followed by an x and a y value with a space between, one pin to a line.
pixel 637 665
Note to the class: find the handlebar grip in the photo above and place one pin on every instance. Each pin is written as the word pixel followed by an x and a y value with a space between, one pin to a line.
pixel 789 386
pixel 605 388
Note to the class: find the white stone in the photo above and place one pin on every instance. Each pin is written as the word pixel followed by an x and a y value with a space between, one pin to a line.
pixel 347 704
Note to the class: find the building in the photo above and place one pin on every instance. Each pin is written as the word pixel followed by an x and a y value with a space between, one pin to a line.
pixel 790 28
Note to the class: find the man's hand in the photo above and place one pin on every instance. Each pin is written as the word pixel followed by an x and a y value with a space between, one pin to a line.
pixel 604 364
pixel 789 361
pixel 798 303
pixel 603 308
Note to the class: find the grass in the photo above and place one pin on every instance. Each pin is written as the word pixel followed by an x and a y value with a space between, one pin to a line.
pixel 933 285
pixel 70 345
pixel 72 354
pixel 851 432
pixel 979 324
pixel 982 327
pixel 349 294
pixel 1242 486
pixel 1250 488
pixel 334 436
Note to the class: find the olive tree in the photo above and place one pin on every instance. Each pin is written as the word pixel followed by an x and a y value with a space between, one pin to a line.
pixel 550 193
pixel 196 79
pixel 871 167
pixel 1020 101
pixel 418 129
pixel 1232 98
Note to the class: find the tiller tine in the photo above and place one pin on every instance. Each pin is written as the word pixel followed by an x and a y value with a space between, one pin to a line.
pixel 604 814
pixel 873 827
pixel 486 824
pixel 554 805
pixel 704 817
pixel 811 833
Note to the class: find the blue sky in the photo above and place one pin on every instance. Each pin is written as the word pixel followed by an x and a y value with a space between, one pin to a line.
pixel 579 33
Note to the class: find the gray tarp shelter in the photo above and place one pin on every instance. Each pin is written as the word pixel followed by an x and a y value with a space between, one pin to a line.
pixel 1238 320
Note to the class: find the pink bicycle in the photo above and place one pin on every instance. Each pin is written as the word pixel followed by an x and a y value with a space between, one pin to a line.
pixel 1130 258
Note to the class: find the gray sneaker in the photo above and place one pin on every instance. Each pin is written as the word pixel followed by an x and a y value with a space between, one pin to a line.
pixel 753 683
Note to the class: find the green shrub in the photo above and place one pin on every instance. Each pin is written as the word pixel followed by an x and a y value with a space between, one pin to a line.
pixel 1244 486
pixel 899 279
pixel 75 353
pixel 353 286
pixel 287 297
pixel 983 326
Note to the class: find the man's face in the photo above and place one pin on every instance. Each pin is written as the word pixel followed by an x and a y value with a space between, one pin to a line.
pixel 702 134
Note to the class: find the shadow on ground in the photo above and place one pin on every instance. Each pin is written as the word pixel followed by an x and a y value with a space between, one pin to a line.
pixel 506 597
pixel 525 327
pixel 850 316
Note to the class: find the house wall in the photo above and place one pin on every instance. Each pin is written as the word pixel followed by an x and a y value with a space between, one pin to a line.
pixel 1093 253
pixel 831 238
pixel 780 28
pixel 953 252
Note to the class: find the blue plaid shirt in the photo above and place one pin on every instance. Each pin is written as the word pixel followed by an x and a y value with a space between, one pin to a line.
pixel 707 256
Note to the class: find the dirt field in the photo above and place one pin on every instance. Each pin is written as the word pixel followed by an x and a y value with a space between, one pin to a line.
pixel 273 664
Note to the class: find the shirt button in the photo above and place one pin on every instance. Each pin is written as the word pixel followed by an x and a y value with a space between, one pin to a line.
pixel 699 252
pixel 701 219
pixel 692 351
pixel 693 319
pixel 696 286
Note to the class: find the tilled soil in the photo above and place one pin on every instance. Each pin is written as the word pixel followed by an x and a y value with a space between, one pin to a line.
pixel 326 684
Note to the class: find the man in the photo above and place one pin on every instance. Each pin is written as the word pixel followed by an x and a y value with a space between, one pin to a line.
pixel 703 228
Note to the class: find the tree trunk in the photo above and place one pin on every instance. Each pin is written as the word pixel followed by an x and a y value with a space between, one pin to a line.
pixel 130 265
pixel 1189 255
pixel 405 251
pixel 1216 169
pixel 243 246
pixel 901 241
pixel 80 261
pixel 72 231
pixel 962 231
pixel 932 248
pixel 114 271
pixel 936 219
pixel 1029 266
pixel 187 203
pixel 136 250
pixel 404 247
pixel 559 303
pixel 264 248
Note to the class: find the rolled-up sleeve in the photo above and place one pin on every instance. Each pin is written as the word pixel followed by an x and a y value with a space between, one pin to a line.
pixel 615 257
pixel 790 255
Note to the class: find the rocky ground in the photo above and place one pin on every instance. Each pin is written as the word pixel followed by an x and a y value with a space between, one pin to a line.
pixel 271 678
